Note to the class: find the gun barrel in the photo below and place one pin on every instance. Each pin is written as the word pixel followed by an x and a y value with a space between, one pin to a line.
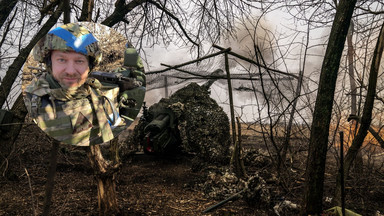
pixel 125 83
pixel 105 76
pixel 158 124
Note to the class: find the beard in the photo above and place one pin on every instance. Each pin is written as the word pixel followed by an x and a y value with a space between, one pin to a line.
pixel 70 81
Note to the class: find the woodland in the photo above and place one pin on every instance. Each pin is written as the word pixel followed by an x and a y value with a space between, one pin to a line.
pixel 303 88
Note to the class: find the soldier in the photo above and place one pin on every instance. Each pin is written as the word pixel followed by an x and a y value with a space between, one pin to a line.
pixel 66 102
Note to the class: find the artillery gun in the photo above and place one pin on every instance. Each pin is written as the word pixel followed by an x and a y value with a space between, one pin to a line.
pixel 189 121
pixel 161 134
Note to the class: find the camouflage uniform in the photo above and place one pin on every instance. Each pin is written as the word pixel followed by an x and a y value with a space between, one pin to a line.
pixel 82 116
pixel 133 68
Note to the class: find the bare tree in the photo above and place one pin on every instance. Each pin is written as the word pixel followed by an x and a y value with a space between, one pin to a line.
pixel 323 109
pixel 304 11
pixel 153 21
pixel 287 104
pixel 10 77
pixel 6 8
pixel 367 111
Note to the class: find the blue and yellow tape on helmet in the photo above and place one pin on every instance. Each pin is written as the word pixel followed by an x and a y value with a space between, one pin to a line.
pixel 78 44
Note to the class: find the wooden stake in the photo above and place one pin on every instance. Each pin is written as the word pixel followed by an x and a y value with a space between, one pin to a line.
pixel 49 185
pixel 342 172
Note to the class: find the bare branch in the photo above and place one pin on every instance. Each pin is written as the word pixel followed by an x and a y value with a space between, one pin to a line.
pixel 15 67
pixel 121 9
pixel 174 18
pixel 87 9
pixel 6 8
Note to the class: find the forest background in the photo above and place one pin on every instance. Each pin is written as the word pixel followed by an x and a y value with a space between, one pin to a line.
pixel 312 68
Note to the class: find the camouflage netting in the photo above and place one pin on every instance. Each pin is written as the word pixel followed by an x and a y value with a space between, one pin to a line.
pixel 221 184
pixel 255 192
pixel 201 124
pixel 257 158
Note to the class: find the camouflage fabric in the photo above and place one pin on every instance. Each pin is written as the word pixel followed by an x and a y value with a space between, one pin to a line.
pixel 69 37
pixel 133 65
pixel 87 114
pixel 47 85
pixel 136 95
pixel 71 117
pixel 132 58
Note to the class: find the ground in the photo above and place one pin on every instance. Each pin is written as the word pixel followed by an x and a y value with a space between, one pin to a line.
pixel 146 185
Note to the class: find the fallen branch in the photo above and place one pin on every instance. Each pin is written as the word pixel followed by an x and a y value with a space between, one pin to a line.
pixel 233 197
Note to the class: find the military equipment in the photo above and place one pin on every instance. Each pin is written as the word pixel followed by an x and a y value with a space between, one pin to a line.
pixel 131 91
pixel 189 121
pixel 160 134
pixel 124 83
pixel 131 57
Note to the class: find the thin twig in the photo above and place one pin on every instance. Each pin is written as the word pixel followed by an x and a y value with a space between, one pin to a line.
pixel 6 165
pixel 30 188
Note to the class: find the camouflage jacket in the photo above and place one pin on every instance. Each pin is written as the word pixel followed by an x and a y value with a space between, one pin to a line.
pixel 82 118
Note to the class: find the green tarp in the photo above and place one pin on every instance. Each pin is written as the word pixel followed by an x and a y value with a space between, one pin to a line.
pixel 337 212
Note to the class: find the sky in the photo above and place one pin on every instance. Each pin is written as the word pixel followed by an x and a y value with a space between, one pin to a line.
pixel 173 55
pixel 275 22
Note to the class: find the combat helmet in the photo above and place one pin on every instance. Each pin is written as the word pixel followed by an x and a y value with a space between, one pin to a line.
pixel 68 37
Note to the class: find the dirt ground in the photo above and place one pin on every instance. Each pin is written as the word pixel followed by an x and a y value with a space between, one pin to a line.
pixel 146 185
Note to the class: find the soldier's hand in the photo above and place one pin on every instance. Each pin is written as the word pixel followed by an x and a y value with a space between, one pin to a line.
pixel 126 102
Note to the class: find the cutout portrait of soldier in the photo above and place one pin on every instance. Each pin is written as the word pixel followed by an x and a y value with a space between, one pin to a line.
pixel 72 101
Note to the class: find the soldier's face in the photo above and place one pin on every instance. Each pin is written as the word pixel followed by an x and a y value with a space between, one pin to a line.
pixel 70 69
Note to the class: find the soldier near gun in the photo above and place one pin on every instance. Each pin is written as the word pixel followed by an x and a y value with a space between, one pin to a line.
pixel 71 105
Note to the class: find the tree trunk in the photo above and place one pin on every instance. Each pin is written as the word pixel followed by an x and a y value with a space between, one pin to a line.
pixel 6 8
pixel 18 110
pixel 281 164
pixel 50 184
pixel 350 53
pixel 87 9
pixel 371 130
pixel 352 82
pixel 367 111
pixel 293 110
pixel 237 160
pixel 105 175
pixel 67 11
pixel 323 109
pixel 7 140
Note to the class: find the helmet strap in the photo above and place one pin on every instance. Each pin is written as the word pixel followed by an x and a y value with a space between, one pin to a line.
pixel 48 63
pixel 53 84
